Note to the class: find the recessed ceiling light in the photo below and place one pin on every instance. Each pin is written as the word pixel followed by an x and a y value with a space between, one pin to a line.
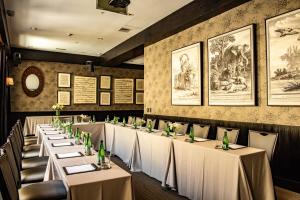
pixel 70 34
pixel 62 49
pixel 100 38
pixel 34 28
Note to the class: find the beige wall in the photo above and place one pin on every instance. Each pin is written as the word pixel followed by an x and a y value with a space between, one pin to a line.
pixel 158 67
pixel 22 103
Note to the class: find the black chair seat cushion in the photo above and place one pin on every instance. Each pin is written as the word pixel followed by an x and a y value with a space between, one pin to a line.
pixel 45 190
pixel 30 142
pixel 34 162
pixel 31 147
pixel 30 153
pixel 33 175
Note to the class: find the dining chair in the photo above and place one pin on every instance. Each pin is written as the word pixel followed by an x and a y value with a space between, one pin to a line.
pixel 130 120
pixel 162 124
pixel 201 130
pixel 38 191
pixel 263 140
pixel 232 134
pixel 181 128
pixel 153 122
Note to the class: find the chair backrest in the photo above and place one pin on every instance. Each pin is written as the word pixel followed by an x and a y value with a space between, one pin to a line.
pixel 201 130
pixel 65 119
pixel 138 120
pixel 18 132
pixel 162 124
pixel 263 140
pixel 231 133
pixel 181 128
pixel 16 150
pixel 130 120
pixel 8 187
pixel 7 148
pixel 153 122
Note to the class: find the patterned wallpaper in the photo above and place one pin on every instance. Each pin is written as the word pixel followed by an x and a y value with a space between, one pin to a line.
pixel 158 67
pixel 22 103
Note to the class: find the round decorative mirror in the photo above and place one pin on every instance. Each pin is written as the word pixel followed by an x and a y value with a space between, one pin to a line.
pixel 33 81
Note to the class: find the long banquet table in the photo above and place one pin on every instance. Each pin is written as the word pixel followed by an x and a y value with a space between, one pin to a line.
pixel 112 184
pixel 200 170
pixel 31 123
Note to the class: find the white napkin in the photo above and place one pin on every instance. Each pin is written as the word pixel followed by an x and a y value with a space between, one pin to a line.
pixel 236 146
pixel 46 126
pixel 68 155
pixel 80 168
pixel 199 139
pixel 62 144
pixel 56 137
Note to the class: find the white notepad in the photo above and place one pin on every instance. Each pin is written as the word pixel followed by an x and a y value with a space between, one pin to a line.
pixel 69 155
pixel 199 139
pixel 236 146
pixel 62 144
pixel 56 137
pixel 52 132
pixel 80 168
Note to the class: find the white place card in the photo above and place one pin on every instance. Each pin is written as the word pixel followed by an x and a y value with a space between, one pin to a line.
pixel 62 144
pixel 56 137
pixel 199 139
pixel 80 169
pixel 236 146
pixel 69 155
pixel 46 126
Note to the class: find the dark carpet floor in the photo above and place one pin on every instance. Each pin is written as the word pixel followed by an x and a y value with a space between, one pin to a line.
pixel 147 188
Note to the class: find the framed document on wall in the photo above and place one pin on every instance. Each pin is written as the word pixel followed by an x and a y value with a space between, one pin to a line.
pixel 139 98
pixel 105 99
pixel 85 90
pixel 64 80
pixel 105 82
pixel 123 91
pixel 139 84
pixel 64 98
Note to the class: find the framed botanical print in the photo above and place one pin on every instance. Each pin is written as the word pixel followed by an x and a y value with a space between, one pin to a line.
pixel 64 80
pixel 139 84
pixel 105 99
pixel 283 59
pixel 186 75
pixel 105 82
pixel 231 66
pixel 139 98
pixel 64 98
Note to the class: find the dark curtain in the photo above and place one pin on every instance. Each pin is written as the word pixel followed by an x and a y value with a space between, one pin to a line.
pixel 4 95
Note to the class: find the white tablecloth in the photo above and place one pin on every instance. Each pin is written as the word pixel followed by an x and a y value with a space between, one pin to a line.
pixel 204 172
pixel 112 184
pixel 157 157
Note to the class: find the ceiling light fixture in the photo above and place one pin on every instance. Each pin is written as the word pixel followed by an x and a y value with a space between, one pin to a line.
pixel 70 34
pixel 125 30
pixel 10 13
pixel 34 28
pixel 100 38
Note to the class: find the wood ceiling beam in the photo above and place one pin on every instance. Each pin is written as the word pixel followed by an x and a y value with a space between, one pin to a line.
pixel 189 15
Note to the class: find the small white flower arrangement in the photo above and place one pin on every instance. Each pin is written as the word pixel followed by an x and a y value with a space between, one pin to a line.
pixel 57 107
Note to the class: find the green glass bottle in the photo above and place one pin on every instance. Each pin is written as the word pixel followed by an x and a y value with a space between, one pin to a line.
pixel 70 132
pixel 101 153
pixel 225 145
pixel 191 135
pixel 124 121
pixel 150 126
pixel 107 118
pixel 77 136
